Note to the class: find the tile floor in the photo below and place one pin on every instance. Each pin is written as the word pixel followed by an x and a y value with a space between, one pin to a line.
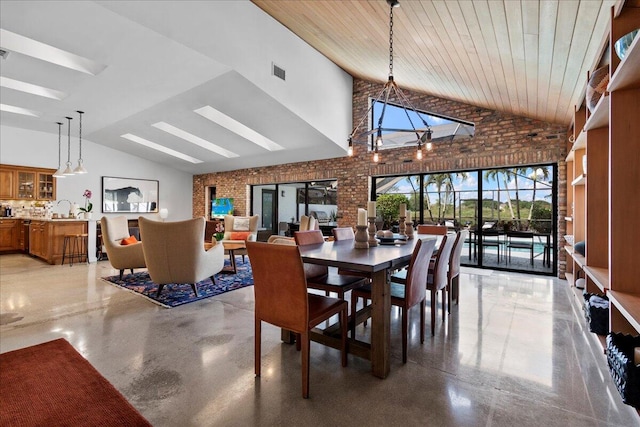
pixel 514 352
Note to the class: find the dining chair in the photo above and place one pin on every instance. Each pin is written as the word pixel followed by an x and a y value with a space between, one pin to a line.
pixel 327 280
pixel 520 240
pixel 453 272
pixel 281 299
pixel 407 291
pixel 491 238
pixel 432 229
pixel 437 279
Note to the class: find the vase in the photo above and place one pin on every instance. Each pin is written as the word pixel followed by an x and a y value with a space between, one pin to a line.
pixel 88 215
pixel 623 43
pixel 597 86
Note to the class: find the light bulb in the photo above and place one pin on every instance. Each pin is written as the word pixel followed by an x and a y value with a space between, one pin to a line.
pixel 419 154
pixel 350 151
pixel 379 140
pixel 376 157
pixel 429 146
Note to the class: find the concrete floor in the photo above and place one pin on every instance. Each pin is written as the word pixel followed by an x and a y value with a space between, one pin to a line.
pixel 513 353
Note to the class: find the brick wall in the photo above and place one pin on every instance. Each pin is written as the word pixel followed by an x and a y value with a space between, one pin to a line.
pixel 500 141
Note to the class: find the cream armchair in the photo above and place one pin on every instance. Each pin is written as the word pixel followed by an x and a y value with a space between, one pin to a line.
pixel 174 252
pixel 240 228
pixel 121 257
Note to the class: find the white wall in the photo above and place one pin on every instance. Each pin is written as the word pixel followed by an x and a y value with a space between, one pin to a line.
pixel 39 149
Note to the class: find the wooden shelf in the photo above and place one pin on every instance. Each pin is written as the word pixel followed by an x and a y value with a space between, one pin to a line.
pixel 579 259
pixel 600 116
pixel 568 218
pixel 599 276
pixel 569 157
pixel 628 305
pixel 580 180
pixel 570 279
pixel 581 141
pixel 628 72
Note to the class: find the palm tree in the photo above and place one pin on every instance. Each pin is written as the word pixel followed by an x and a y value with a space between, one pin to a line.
pixel 445 181
pixel 495 175
pixel 538 173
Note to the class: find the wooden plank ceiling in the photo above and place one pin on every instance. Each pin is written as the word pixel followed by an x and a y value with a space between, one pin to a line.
pixel 524 57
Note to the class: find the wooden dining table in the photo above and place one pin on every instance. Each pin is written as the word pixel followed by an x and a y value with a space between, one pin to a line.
pixel 378 263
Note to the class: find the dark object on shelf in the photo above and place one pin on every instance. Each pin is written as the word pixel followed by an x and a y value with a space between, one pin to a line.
pixel 597 317
pixel 579 247
pixel 625 373
pixel 624 43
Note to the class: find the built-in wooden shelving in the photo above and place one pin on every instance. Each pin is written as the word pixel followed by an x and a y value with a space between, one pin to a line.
pixel 600 277
pixel 580 180
pixel 628 72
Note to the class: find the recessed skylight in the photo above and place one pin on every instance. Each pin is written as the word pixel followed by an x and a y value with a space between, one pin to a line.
pixel 16 43
pixel 238 128
pixel 19 110
pixel 194 139
pixel 31 88
pixel 161 148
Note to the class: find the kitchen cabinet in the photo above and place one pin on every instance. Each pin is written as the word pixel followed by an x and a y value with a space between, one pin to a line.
pixel 47 237
pixel 10 234
pixel 27 183
pixel 7 184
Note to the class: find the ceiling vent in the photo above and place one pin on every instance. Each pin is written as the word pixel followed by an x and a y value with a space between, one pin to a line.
pixel 277 71
pixel 4 53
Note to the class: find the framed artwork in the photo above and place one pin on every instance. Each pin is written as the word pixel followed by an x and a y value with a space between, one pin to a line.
pixel 129 195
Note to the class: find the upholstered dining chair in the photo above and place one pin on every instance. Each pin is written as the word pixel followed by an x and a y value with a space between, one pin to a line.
pixel 122 255
pixel 453 272
pixel 281 299
pixel 174 252
pixel 437 279
pixel 324 279
pixel 407 290
pixel 440 230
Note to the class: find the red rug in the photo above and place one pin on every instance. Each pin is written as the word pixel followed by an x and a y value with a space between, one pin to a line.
pixel 51 384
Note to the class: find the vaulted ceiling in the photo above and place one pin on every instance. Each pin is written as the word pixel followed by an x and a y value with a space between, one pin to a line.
pixel 524 57
pixel 158 69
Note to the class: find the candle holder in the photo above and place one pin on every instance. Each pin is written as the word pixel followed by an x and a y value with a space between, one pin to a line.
pixel 361 238
pixel 401 226
pixel 409 229
pixel 372 232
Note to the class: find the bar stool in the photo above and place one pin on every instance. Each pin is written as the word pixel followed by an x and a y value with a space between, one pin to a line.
pixel 74 246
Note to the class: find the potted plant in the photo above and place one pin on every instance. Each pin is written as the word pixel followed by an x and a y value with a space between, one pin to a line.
pixel 88 206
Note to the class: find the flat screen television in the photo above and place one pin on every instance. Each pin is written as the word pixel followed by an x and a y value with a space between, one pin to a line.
pixel 221 206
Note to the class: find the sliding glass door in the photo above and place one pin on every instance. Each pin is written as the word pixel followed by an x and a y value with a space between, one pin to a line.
pixel 510 213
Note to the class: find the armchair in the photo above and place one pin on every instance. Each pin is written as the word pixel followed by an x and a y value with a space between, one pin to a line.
pixel 174 252
pixel 121 257
pixel 240 228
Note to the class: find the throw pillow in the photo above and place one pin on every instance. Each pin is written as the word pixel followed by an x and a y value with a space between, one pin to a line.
pixel 239 235
pixel 129 241
pixel 241 224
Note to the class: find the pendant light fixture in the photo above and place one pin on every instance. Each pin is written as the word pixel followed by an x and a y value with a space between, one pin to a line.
pixel 58 173
pixel 390 88
pixel 68 171
pixel 80 169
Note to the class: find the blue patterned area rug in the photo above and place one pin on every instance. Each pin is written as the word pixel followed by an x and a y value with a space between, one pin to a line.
pixel 175 295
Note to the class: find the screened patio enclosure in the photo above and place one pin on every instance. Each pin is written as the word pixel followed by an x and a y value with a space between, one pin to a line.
pixel 510 212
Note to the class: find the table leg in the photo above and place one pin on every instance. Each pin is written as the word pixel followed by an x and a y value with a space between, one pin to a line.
pixel 232 261
pixel 381 321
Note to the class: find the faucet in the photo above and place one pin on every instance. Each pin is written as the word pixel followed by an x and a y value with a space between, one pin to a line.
pixel 65 200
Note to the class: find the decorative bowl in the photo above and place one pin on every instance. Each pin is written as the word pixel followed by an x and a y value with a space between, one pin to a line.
pixel 569 239
pixel 624 42
pixel 598 83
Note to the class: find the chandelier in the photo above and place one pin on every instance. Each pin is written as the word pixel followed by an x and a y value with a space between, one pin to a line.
pixel 391 90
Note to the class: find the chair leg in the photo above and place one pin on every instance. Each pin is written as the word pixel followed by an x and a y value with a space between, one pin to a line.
pixel 159 290
pixel 121 273
pixel 305 364
pixel 343 333
pixel 422 319
pixel 257 344
pixel 405 328
pixel 456 288
pixel 195 290
pixel 444 303
pixel 213 279
pixel 132 271
pixel 449 289
pixel 354 302
pixel 433 312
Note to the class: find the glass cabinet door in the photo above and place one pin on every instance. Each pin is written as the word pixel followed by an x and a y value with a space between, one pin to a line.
pixel 46 188
pixel 26 187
